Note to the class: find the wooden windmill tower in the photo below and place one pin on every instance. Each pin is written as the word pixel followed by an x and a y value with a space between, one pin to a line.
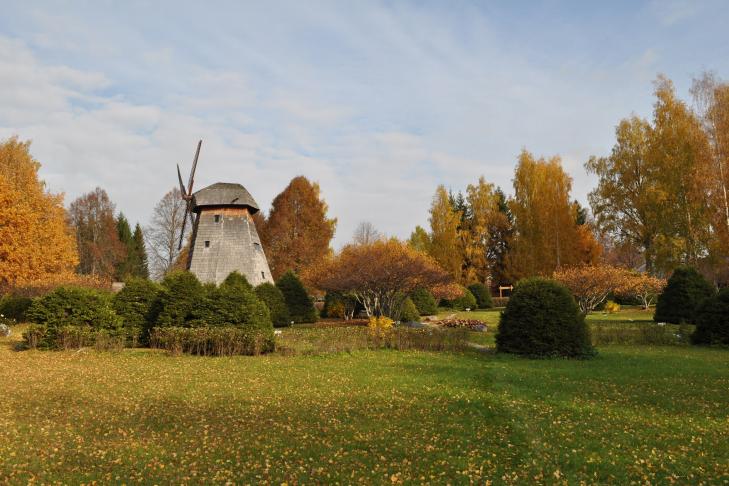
pixel 224 237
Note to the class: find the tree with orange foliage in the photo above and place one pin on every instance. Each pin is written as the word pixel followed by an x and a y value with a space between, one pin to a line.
pixel 92 216
pixel 35 240
pixel 591 284
pixel 643 287
pixel 297 232
pixel 378 275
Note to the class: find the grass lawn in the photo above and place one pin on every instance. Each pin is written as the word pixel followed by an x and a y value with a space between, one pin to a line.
pixel 643 414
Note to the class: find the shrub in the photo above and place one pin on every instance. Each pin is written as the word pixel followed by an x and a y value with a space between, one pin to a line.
pixel 380 327
pixel 340 306
pixel 301 308
pixel 34 335
pixel 647 333
pixel 686 290
pixel 712 320
pixel 482 295
pixel 409 312
pixel 181 293
pixel 135 303
pixel 211 341
pixel 14 307
pixel 542 319
pixel 611 307
pixel 500 301
pixel 465 301
pixel 270 295
pixel 73 307
pixel 424 301
pixel 237 279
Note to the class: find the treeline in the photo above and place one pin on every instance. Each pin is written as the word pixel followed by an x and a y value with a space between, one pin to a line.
pixel 661 201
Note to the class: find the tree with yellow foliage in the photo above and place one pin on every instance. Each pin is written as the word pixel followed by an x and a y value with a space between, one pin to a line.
pixel 35 241
pixel 547 234
pixel 444 234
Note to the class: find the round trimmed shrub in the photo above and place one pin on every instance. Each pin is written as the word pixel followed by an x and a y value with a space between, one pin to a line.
pixel 270 295
pixel 542 319
pixel 712 321
pixel 482 295
pixel 136 301
pixel 181 293
pixel 465 301
pixel 686 290
pixel 301 308
pixel 409 312
pixel 424 302
pixel 14 307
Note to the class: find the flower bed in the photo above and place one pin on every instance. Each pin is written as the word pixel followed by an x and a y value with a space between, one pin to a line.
pixel 470 324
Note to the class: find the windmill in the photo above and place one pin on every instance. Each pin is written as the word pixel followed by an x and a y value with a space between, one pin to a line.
pixel 224 237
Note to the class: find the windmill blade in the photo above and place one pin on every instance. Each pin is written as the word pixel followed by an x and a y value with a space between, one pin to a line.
pixel 182 185
pixel 194 166
pixel 184 223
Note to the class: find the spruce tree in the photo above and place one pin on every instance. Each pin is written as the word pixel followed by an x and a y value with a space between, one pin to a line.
pixel 301 308
pixel 140 268
pixel 126 262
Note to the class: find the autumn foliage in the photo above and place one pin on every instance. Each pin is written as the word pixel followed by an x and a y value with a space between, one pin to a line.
pixel 591 284
pixel 36 244
pixel 297 232
pixel 379 275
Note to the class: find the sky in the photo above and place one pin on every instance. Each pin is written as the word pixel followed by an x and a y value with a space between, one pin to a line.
pixel 379 102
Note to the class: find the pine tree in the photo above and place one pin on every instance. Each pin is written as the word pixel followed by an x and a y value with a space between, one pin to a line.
pixel 126 262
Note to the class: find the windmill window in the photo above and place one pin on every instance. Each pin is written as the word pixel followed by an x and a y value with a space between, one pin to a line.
pixel 263 274
pixel 207 243
pixel 257 245
pixel 217 218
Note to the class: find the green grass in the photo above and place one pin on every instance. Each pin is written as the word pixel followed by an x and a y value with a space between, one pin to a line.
pixel 633 414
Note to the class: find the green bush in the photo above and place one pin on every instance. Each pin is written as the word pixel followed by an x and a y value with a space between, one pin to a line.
pixel 542 319
pixel 482 295
pixel 409 312
pixel 686 290
pixel 270 295
pixel 71 306
pixel 135 303
pixel 301 308
pixel 465 301
pixel 15 307
pixel 181 293
pixel 235 278
pixel 424 301
pixel 712 321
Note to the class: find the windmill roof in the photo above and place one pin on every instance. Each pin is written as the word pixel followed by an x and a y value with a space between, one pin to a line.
pixel 224 194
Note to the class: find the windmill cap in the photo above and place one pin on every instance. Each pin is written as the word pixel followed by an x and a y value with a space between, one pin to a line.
pixel 224 194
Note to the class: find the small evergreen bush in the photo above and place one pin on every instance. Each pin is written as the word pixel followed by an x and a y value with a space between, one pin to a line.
pixel 301 308
pixel 424 302
pixel 135 303
pixel 236 278
pixel 465 301
pixel 181 293
pixel 270 295
pixel 409 312
pixel 542 319
pixel 712 321
pixel 71 306
pixel 482 294
pixel 14 307
pixel 686 290
pixel 210 341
